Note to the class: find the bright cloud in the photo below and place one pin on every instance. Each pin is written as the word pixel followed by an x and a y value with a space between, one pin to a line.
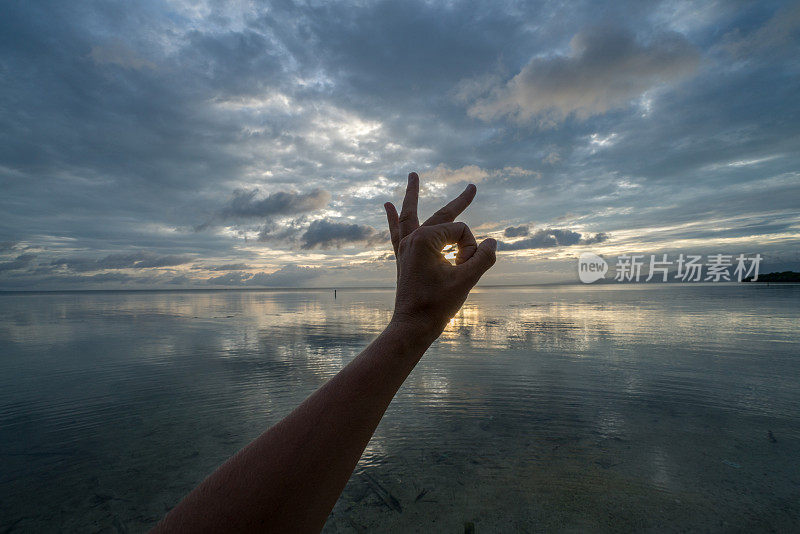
pixel 606 68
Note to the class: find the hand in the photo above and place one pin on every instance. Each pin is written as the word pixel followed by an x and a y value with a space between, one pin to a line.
pixel 430 290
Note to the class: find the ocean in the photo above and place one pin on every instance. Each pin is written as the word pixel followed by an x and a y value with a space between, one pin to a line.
pixel 651 407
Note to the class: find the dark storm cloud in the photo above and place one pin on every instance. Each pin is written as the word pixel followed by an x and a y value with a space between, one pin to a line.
pixel 516 231
pixel 606 68
pixel 329 234
pixel 246 205
pixel 288 232
pixel 550 238
pixel 134 260
pixel 20 262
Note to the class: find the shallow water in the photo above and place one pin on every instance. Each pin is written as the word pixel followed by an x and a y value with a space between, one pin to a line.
pixel 610 408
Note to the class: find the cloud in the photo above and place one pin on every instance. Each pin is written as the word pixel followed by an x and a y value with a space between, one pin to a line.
pixel 20 262
pixel 8 245
pixel 245 205
pixel 781 29
pixel 151 261
pixel 552 158
pixel 549 238
pixel 134 260
pixel 471 173
pixel 329 234
pixel 288 231
pixel 100 152
pixel 287 276
pixel 599 237
pixel 103 277
pixel 224 267
pixel 117 53
pixel 322 234
pixel 42 280
pixel 516 231
pixel 605 69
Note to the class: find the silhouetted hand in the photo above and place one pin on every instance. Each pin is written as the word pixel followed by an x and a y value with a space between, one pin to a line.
pixel 431 290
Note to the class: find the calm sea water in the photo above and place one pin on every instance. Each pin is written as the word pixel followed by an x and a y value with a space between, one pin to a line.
pixel 636 408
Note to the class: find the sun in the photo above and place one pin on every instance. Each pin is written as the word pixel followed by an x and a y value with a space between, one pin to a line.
pixel 450 252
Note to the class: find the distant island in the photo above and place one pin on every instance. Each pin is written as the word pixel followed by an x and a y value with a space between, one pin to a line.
pixel 785 276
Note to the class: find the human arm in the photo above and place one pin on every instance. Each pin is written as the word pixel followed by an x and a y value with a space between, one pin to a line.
pixel 289 478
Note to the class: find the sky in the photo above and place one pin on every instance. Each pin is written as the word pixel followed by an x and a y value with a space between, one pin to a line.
pixel 198 144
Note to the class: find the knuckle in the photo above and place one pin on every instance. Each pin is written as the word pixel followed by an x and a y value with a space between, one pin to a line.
pixel 423 232
pixel 407 242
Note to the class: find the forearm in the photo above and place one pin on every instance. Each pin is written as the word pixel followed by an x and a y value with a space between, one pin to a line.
pixel 290 477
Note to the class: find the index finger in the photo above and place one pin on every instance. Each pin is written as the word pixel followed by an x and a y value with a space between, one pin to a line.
pixel 453 208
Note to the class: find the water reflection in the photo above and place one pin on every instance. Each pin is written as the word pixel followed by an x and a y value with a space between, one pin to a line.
pixel 539 408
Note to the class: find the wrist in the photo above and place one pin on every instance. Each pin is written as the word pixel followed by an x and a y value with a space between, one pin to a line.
pixel 415 327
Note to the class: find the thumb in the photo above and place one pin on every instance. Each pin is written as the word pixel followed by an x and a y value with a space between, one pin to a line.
pixel 480 261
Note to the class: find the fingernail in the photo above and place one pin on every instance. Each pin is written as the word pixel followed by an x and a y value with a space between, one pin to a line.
pixel 413 175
